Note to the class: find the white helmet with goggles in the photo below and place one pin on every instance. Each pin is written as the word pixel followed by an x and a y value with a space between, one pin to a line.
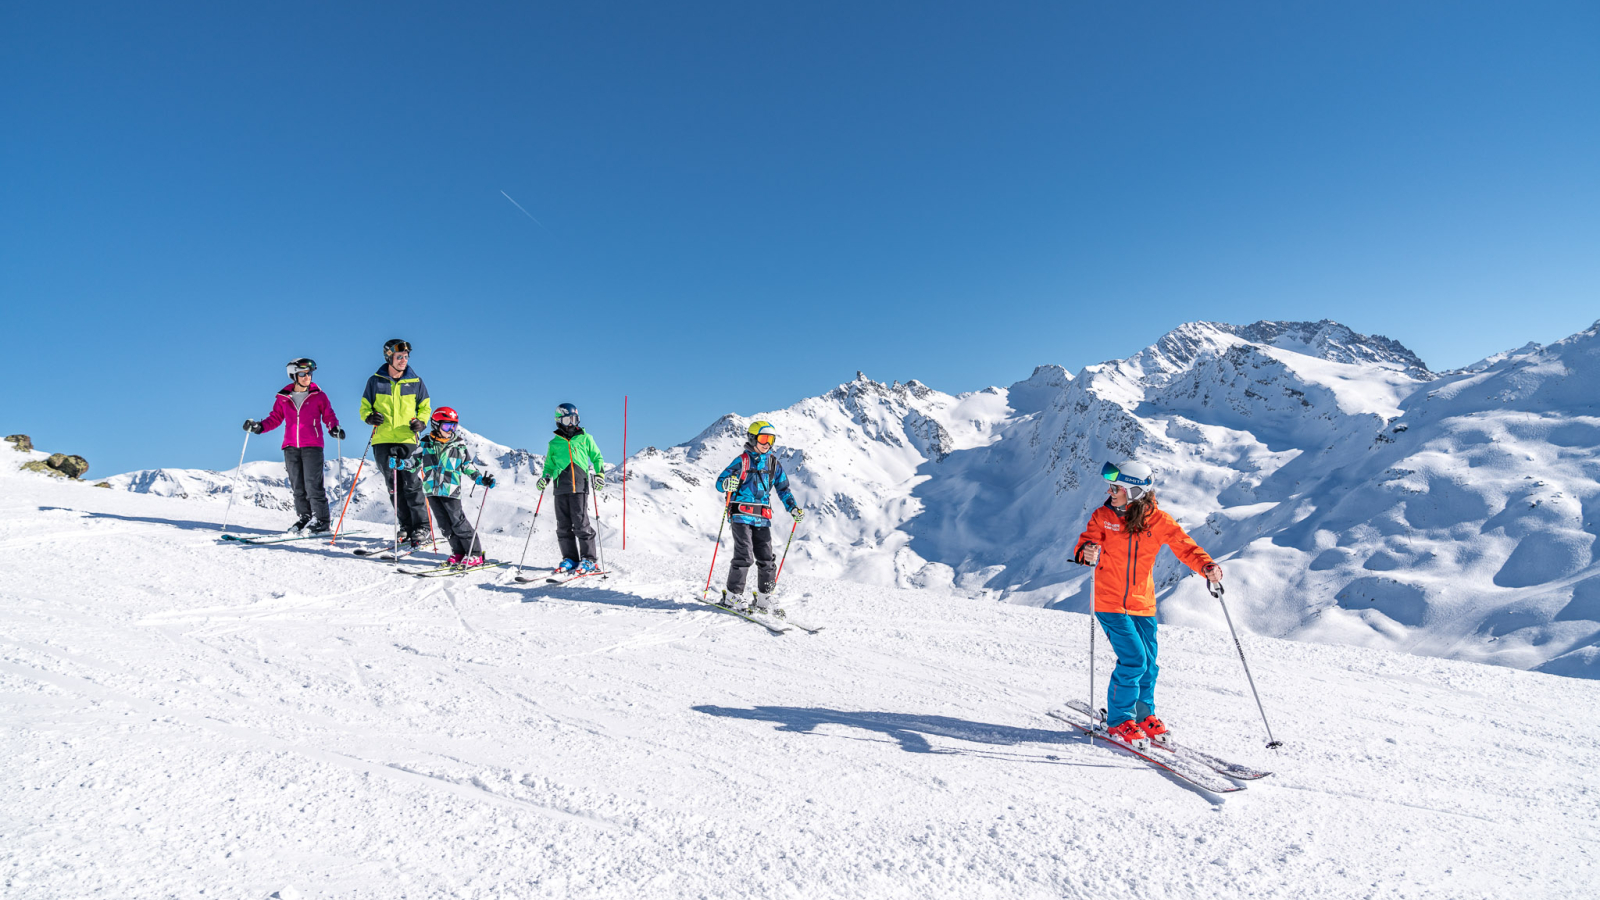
pixel 1135 477
pixel 301 366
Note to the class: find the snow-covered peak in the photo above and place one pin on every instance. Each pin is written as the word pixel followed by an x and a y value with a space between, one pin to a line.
pixel 1353 495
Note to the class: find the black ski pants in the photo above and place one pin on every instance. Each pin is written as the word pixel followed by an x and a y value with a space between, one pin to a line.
pixel 412 509
pixel 305 480
pixel 453 525
pixel 573 527
pixel 752 542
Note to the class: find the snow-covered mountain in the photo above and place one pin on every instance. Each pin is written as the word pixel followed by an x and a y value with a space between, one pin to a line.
pixel 1353 495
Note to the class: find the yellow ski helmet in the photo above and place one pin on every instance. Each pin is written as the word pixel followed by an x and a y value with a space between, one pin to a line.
pixel 758 428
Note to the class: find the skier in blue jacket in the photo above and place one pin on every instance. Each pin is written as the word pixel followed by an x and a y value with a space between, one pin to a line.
pixel 747 484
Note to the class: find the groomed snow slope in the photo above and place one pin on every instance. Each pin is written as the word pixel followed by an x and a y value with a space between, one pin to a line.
pixel 185 718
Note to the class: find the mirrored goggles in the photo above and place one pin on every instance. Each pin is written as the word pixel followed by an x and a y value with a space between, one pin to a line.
pixel 445 427
pixel 568 421
pixel 1111 473
pixel 764 440
pixel 297 371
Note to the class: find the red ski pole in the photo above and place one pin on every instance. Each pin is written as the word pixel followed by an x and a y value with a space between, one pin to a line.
pixel 353 484
pixel 786 544
pixel 726 499
pixel 529 539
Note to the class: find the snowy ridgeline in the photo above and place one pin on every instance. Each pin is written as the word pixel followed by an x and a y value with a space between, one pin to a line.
pixel 1354 496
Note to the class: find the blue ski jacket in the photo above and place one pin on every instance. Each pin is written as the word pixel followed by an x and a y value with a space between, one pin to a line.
pixel 759 474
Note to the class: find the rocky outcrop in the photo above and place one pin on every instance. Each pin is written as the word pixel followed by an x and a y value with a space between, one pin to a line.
pixel 20 442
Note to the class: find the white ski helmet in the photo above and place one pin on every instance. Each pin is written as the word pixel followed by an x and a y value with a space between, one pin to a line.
pixel 1134 476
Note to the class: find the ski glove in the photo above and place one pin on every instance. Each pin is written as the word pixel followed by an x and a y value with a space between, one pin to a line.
pixel 599 482
pixel 375 418
pixel 252 426
pixel 729 484
pixel 542 483
pixel 486 480
pixel 1213 572
pixel 797 513
pixel 406 465
pixel 337 432
pixel 418 426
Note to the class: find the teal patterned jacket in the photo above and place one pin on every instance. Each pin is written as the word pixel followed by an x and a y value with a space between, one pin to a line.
pixel 443 463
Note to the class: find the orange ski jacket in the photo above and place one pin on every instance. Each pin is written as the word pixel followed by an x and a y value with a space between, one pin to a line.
pixel 1123 580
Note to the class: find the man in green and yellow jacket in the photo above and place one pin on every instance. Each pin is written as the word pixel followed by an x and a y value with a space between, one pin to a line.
pixel 396 404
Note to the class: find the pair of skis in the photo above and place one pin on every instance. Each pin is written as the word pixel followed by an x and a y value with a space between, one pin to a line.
pixel 286 537
pixel 444 569
pixel 1200 769
pixel 777 624
pixel 559 577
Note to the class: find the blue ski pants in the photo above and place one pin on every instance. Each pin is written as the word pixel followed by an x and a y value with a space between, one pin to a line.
pixel 1132 694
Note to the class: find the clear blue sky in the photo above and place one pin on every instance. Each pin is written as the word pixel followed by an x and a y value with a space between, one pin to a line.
pixel 741 204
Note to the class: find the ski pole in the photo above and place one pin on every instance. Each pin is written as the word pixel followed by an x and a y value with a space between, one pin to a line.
pixel 433 538
pixel 394 472
pixel 600 548
pixel 1091 654
pixel 529 539
pixel 786 544
pixel 353 482
pixel 475 522
pixel 726 499
pixel 233 489
pixel 1216 591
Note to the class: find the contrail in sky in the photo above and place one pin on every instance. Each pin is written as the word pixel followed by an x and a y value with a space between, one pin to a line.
pixel 524 212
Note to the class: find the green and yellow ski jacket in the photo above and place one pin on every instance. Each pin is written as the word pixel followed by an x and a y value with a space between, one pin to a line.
pixel 399 400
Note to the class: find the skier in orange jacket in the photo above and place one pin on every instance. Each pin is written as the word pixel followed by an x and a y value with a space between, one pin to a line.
pixel 1122 540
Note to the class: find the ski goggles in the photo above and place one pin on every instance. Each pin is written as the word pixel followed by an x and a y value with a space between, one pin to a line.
pixel 1111 473
pixel 764 440
pixel 445 427
pixel 297 371
pixel 569 421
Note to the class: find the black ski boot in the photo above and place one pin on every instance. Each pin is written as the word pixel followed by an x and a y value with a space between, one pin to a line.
pixel 320 526
pixel 299 524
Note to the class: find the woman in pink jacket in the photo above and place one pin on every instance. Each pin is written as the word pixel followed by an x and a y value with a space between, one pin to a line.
pixel 303 409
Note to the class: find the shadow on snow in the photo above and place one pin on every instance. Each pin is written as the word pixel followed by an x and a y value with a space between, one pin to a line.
pixel 910 731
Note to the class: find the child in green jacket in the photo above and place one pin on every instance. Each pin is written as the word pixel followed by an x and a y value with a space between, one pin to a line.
pixel 573 461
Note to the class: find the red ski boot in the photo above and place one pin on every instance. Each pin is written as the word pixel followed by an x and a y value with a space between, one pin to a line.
pixel 1131 734
pixel 1157 731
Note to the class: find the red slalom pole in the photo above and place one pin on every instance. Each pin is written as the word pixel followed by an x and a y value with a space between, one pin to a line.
pixel 353 484
pixel 726 499
pixel 624 471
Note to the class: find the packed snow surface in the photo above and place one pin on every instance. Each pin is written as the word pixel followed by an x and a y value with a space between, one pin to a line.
pixel 189 718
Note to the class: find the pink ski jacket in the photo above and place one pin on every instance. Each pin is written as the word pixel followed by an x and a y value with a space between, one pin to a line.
pixel 303 421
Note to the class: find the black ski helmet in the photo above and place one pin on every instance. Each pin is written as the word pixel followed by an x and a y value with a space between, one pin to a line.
pixel 395 345
pixel 303 365
pixel 567 411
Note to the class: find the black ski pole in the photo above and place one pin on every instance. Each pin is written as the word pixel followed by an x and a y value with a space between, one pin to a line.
pixel 475 522
pixel 1216 591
